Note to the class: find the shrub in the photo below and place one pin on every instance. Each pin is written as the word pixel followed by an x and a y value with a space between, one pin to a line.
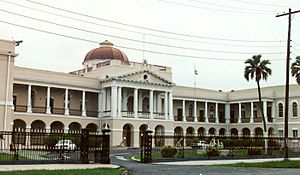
pixel 168 151
pixel 254 151
pixel 212 151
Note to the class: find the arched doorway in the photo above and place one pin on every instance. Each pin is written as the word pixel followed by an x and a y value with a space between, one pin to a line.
pixel 57 126
pixel 201 131
pixel 92 127
pixel 142 129
pixel 258 132
pixel 271 132
pixel 178 136
pixel 189 136
pixel 234 132
pixel 246 132
pixel 74 127
pixel 222 132
pixel 212 131
pixel 37 132
pixel 127 139
pixel 159 136
pixel 19 126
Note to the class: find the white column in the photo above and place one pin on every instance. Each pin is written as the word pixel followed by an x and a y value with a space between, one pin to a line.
pixel 195 111
pixel 140 101
pixel 227 113
pixel 104 102
pixel 83 112
pixel 124 99
pixel 171 106
pixel 114 99
pixel 166 105
pixel 217 113
pixel 100 103
pixel 183 111
pixel 273 111
pixel 119 101
pixel 29 99
pixel 135 103
pixel 151 103
pixel 265 106
pixel 155 102
pixel 206 113
pixel 240 113
pixel 251 113
pixel 66 102
pixel 48 111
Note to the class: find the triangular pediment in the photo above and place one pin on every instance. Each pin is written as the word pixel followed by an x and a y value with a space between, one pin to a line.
pixel 145 76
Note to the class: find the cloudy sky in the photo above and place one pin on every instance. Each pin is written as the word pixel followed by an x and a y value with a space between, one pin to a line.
pixel 215 36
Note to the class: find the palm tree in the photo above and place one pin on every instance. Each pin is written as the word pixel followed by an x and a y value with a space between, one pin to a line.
pixel 296 69
pixel 257 68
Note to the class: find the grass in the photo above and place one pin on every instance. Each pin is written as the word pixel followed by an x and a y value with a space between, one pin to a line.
pixel 96 171
pixel 273 164
pixel 9 156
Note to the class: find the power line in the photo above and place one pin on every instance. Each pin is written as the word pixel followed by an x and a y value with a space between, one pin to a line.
pixel 143 33
pixel 145 28
pixel 125 47
pixel 214 9
pixel 258 3
pixel 231 7
pixel 129 39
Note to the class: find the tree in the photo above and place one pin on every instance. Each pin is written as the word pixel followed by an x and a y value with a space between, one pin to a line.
pixel 295 69
pixel 258 69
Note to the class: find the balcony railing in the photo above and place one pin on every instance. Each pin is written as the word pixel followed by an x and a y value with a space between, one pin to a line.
pixel 75 112
pixel 39 109
pixel 178 118
pixel 233 120
pixel 190 119
pixel 245 120
pixel 212 120
pixel 201 119
pixel 92 113
pixel 20 108
pixel 128 114
pixel 258 119
pixel 106 113
pixel 159 115
pixel 144 114
pixel 60 111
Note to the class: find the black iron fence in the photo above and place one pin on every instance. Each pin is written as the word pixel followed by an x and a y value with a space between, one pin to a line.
pixel 48 146
pixel 221 147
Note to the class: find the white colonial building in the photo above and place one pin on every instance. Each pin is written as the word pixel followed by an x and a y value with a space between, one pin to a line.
pixel 129 97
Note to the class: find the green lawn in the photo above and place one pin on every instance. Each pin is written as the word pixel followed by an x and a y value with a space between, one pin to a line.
pixel 274 164
pixel 97 171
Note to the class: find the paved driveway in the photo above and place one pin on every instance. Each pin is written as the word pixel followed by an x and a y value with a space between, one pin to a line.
pixel 136 168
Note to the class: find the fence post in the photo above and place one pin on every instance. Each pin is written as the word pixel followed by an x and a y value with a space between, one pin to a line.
pixel 104 158
pixel 84 146
pixel 147 148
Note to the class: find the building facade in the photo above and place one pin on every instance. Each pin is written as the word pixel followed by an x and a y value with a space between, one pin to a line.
pixel 130 97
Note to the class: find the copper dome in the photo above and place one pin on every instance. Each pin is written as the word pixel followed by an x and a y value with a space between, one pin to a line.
pixel 106 51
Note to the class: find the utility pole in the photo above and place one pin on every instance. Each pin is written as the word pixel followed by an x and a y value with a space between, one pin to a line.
pixel 286 111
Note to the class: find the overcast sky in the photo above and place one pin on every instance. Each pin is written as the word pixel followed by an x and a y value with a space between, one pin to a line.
pixel 218 35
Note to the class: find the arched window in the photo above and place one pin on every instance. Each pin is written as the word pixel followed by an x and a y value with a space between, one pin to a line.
pixel 295 109
pixel 280 110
